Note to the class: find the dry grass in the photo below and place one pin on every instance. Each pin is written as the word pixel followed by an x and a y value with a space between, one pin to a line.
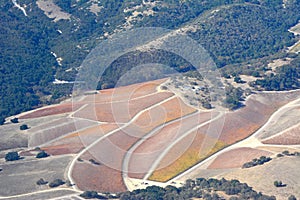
pixel 289 137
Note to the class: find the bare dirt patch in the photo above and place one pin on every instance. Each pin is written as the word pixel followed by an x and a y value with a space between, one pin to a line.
pixel 236 158
pixel 113 148
pixel 98 178
pixel 124 93
pixel 119 112
pixel 51 110
pixel 52 11
pixel 145 155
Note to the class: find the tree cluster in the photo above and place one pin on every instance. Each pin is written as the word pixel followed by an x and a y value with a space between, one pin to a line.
pixel 199 188
pixel 260 161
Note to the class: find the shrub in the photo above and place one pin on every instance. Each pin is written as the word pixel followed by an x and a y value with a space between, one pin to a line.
pixel 287 153
pixel 56 183
pixel 42 154
pixel 292 197
pixel 14 120
pixel 280 155
pixel 279 184
pixel 2 120
pixel 92 195
pixel 41 182
pixel 94 162
pixel 12 156
pixel 24 127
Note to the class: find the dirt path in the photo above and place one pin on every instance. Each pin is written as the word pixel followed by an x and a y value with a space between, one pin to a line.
pixel 109 134
pixel 20 7
pixel 251 142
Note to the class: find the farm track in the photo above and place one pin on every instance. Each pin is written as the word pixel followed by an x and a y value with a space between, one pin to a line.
pixel 107 135
pixel 251 141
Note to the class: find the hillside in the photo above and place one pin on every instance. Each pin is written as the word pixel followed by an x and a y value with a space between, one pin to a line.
pixel 148 99
pixel 54 37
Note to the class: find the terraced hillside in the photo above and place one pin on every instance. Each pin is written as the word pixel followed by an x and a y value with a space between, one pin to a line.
pixel 161 141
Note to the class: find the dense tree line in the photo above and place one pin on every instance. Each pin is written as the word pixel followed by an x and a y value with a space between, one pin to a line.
pixel 200 188
pixel 285 78
pixel 246 31
pixel 241 30
pixel 260 161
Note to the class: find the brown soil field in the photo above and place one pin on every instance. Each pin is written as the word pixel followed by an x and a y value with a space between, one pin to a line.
pixel 75 142
pixel 63 149
pixel 289 137
pixel 120 112
pixel 237 126
pixel 125 93
pixel 237 157
pixel 188 152
pixel 60 129
pixel 98 178
pixel 112 149
pixel 51 110
pixel 168 111
pixel 149 151
pixel 242 123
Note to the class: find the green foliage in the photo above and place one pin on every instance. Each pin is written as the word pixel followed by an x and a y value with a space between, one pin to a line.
pixel 200 188
pixel 94 162
pixel 41 182
pixel 12 156
pixel 2 120
pixel 56 183
pixel 92 195
pixel 292 197
pixel 24 127
pixel 262 160
pixel 279 184
pixel 236 33
pixel 241 32
pixel 14 120
pixel 42 154
pixel 233 99
pixel 286 78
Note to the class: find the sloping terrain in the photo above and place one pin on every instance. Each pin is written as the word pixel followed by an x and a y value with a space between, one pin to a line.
pixel 163 139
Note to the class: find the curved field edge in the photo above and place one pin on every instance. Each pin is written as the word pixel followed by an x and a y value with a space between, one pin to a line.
pixel 269 101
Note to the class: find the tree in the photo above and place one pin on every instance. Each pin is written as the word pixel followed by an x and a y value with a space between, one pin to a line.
pixel 14 120
pixel 12 156
pixel 279 184
pixel 92 195
pixel 2 120
pixel 41 182
pixel 56 183
pixel 292 197
pixel 42 154
pixel 24 127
